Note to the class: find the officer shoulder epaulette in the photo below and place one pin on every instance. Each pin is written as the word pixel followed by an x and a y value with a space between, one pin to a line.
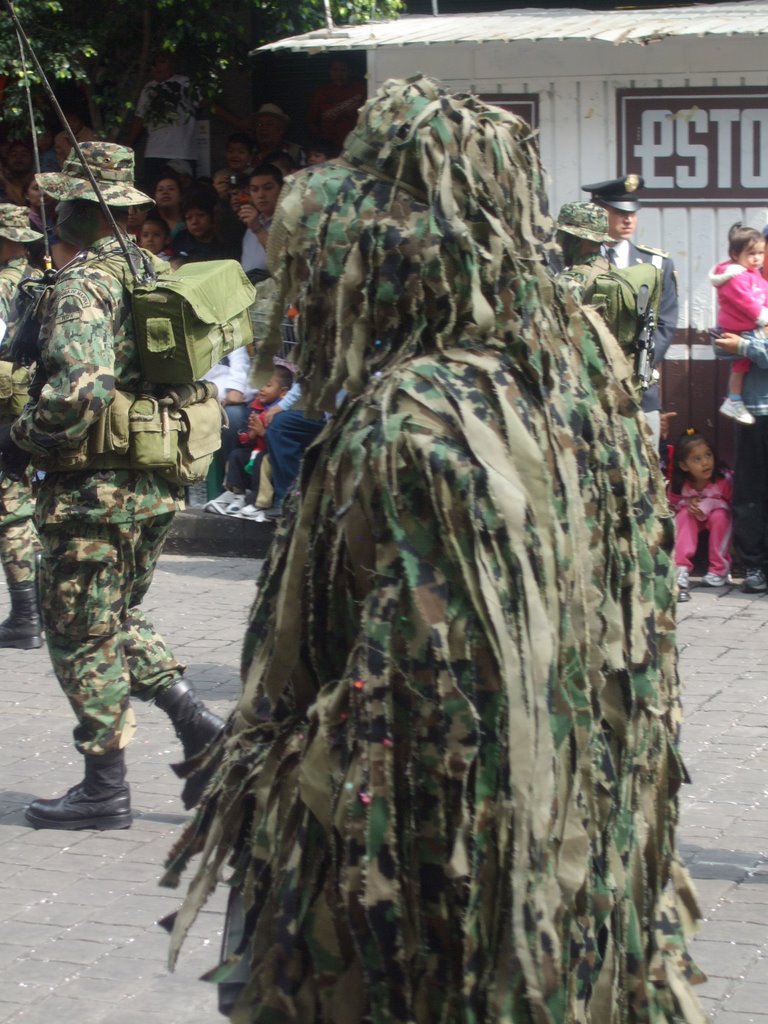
pixel 654 252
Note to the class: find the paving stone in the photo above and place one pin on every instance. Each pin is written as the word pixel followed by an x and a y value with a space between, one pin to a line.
pixel 103 912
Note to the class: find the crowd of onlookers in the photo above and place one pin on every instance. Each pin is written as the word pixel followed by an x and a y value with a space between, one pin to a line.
pixel 192 217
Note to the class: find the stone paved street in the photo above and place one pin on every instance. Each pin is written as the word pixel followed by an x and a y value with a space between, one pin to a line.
pixel 79 940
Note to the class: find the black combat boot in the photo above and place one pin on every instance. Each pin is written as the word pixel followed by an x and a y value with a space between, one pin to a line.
pixel 23 627
pixel 101 801
pixel 195 725
pixel 197 728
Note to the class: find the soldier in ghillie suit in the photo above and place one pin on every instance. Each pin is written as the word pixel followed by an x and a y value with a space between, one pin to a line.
pixel 582 229
pixel 449 789
pixel 102 525
pixel 18 541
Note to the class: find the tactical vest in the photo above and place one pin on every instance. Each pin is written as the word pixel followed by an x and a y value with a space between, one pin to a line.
pixel 171 431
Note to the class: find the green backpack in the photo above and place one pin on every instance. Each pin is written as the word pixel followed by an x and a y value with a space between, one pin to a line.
pixel 614 293
pixel 186 322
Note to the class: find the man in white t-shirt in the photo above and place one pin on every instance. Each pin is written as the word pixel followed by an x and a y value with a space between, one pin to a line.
pixel 264 187
pixel 166 109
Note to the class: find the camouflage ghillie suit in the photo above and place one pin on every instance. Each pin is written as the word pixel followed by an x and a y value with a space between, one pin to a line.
pixel 102 528
pixel 449 789
pixel 18 540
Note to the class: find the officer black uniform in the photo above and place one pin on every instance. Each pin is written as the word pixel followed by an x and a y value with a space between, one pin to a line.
pixel 620 195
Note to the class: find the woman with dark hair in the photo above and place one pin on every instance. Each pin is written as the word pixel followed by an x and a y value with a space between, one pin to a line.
pixel 168 202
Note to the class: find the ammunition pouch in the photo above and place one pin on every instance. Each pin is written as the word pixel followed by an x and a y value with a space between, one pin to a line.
pixel 14 389
pixel 174 435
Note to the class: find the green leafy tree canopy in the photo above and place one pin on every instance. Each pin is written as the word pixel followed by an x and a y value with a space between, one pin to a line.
pixel 109 48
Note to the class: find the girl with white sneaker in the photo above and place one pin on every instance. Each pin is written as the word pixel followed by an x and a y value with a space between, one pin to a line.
pixel 701 494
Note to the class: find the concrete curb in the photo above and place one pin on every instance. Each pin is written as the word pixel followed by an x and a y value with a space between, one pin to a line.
pixel 195 532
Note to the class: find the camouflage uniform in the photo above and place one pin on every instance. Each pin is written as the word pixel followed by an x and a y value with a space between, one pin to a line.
pixel 102 529
pixel 577 222
pixel 18 540
pixel 449 789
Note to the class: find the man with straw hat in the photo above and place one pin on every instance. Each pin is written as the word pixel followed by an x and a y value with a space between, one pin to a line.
pixel 102 525
pixel 449 789
pixel 18 540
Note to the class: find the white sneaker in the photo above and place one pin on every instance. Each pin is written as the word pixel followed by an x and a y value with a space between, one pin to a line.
pixel 683 582
pixel 256 515
pixel 221 504
pixel 236 503
pixel 713 580
pixel 735 408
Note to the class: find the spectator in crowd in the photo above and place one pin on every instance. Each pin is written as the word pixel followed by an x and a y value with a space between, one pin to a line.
pixel 62 143
pixel 36 199
pixel 290 434
pixel 136 217
pixel 244 463
pixel 166 109
pixel 270 126
pixel 701 494
pixel 333 107
pixel 16 172
pixel 221 183
pixel 750 471
pixel 284 162
pixel 742 305
pixel 231 378
pixel 264 190
pixel 168 203
pixel 155 237
pixel 319 151
pixel 238 159
pixel 199 241
pixel 48 159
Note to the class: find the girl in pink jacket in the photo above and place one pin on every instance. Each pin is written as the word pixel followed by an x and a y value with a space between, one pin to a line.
pixel 742 304
pixel 701 495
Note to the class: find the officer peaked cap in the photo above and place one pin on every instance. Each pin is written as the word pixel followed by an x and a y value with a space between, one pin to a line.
pixel 619 193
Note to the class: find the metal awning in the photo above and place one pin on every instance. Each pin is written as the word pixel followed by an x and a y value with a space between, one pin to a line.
pixel 642 26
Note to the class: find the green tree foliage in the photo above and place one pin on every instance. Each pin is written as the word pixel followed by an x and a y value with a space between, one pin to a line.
pixel 108 44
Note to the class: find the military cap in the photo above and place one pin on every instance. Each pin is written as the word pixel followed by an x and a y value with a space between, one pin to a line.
pixel 14 224
pixel 584 220
pixel 619 193
pixel 112 167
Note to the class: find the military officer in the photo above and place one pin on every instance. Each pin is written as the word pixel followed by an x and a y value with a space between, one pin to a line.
pixel 18 540
pixel 102 525
pixel 621 203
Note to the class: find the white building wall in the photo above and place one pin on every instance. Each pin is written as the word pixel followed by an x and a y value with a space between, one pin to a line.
pixel 576 82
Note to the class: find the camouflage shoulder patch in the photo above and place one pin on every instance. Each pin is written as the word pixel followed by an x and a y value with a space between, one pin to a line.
pixel 70 304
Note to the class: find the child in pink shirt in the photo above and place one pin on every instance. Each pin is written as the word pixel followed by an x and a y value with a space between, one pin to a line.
pixel 742 304
pixel 701 495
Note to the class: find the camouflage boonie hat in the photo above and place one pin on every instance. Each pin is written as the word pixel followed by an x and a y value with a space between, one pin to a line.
pixel 14 224
pixel 584 220
pixel 112 167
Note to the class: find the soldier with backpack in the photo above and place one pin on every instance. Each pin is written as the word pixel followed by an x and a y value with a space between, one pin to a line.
pixel 627 299
pixel 102 523
pixel 619 199
pixel 18 541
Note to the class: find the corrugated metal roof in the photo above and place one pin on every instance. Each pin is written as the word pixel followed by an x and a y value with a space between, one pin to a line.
pixel 748 18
